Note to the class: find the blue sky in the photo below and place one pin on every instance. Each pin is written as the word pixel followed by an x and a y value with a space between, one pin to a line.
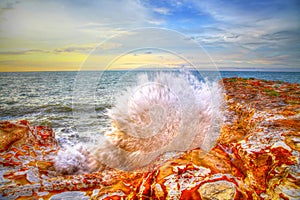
pixel 59 34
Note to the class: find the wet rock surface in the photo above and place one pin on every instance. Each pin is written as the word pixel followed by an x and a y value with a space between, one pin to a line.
pixel 256 156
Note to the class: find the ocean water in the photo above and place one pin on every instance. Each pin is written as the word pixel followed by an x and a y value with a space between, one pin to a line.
pixel 50 98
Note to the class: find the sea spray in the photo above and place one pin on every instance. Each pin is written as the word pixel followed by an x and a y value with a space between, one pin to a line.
pixel 162 113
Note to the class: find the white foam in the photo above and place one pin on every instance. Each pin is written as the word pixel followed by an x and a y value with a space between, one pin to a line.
pixel 162 113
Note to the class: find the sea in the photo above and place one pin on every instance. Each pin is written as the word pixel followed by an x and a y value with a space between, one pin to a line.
pixel 54 98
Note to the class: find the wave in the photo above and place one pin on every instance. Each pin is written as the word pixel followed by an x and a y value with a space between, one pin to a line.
pixel 161 113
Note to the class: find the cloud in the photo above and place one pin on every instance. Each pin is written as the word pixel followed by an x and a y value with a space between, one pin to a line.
pixel 75 48
pixel 239 31
pixel 288 35
pixel 7 5
pixel 156 22
pixel 13 52
pixel 163 11
pixel 251 11
pixel 253 18
pixel 254 32
pixel 68 22
pixel 22 52
pixel 87 48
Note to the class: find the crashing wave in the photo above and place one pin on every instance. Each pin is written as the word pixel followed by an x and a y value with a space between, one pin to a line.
pixel 162 113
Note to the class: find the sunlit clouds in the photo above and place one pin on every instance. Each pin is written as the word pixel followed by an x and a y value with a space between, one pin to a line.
pixel 60 34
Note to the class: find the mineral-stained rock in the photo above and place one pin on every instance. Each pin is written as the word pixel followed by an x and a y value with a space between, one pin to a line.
pixel 218 190
pixel 10 134
pixel 256 157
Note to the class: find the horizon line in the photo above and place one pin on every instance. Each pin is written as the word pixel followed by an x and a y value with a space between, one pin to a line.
pixel 145 69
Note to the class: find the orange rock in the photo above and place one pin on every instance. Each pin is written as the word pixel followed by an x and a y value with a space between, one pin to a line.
pixel 11 133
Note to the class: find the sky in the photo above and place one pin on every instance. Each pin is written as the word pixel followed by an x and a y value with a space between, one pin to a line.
pixel 59 35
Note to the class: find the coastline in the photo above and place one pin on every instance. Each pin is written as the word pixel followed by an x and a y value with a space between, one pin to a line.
pixel 256 156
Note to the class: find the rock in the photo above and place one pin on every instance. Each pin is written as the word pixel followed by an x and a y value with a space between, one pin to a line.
pixel 10 134
pixel 219 190
pixel 256 157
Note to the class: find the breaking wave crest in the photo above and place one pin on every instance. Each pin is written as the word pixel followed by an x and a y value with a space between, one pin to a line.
pixel 161 113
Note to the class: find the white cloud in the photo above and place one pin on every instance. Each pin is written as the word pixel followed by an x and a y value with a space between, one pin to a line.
pixel 254 32
pixel 156 22
pixel 163 11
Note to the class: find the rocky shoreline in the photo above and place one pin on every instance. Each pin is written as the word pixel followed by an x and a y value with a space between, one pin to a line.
pixel 256 156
